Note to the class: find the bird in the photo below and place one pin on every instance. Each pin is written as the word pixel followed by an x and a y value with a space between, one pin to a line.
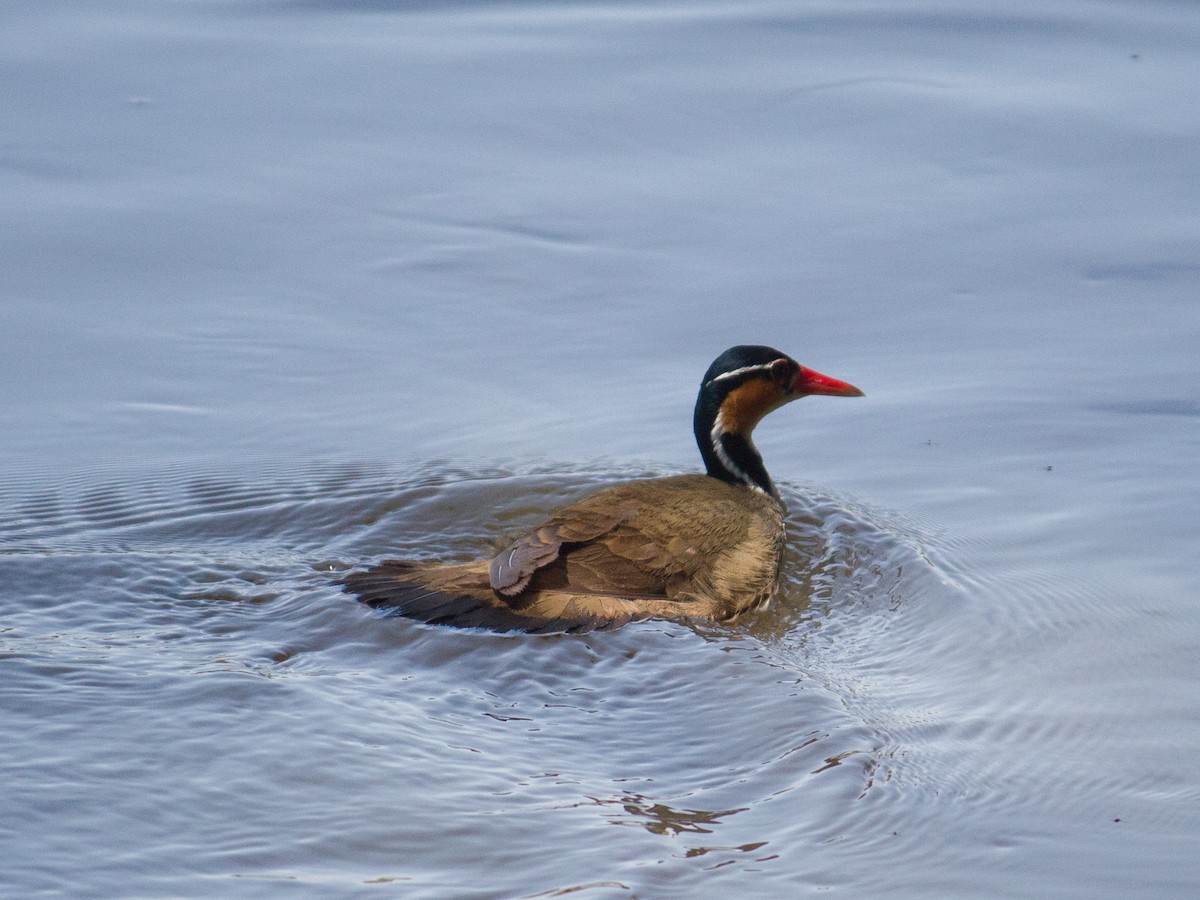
pixel 693 547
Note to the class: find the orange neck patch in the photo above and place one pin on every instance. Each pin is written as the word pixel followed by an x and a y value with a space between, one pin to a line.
pixel 746 404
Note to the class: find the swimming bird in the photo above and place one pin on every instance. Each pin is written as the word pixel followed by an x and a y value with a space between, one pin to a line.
pixel 699 547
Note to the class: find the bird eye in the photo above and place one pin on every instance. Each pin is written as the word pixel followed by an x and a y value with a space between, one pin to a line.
pixel 781 373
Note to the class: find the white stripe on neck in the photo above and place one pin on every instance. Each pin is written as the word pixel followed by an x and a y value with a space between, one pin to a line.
pixel 718 431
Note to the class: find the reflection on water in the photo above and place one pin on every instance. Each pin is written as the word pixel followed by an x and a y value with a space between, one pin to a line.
pixel 658 818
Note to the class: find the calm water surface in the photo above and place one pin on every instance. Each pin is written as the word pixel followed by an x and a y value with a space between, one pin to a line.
pixel 288 287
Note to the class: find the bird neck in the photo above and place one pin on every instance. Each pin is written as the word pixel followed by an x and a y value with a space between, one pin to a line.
pixel 729 456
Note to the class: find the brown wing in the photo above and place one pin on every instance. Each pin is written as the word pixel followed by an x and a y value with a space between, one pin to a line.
pixel 677 548
pixel 513 567
pixel 462 596
pixel 687 538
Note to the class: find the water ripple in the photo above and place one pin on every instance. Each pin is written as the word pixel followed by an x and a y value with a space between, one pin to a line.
pixel 199 612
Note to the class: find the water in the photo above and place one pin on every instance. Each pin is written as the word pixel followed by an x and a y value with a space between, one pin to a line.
pixel 291 287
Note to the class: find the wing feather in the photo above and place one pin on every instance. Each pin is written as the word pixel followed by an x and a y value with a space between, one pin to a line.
pixel 461 596
pixel 682 547
pixel 513 568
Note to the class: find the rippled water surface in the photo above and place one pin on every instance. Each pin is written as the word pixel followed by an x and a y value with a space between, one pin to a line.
pixel 290 287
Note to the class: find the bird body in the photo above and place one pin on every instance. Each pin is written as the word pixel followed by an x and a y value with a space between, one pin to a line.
pixel 701 547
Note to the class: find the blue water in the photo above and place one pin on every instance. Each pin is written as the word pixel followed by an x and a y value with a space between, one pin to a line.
pixel 290 287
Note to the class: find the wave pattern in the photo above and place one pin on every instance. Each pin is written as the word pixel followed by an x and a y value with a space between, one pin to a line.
pixel 183 636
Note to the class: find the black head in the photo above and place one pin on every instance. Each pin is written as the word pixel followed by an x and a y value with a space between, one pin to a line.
pixel 741 386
